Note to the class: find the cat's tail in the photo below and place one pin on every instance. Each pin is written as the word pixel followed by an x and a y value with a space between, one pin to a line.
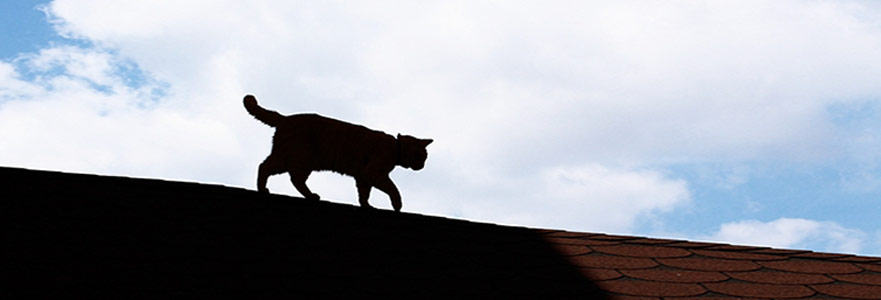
pixel 266 116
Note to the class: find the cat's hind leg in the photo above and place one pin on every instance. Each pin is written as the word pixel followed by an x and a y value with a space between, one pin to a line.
pixel 364 188
pixel 298 178
pixel 270 166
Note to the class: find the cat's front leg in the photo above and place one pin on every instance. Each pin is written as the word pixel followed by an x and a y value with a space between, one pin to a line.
pixel 262 176
pixel 385 184
pixel 364 188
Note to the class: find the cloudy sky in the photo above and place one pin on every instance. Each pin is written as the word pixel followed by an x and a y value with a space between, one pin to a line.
pixel 747 122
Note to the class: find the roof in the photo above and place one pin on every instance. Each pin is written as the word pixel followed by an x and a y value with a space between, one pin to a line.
pixel 89 235
pixel 657 268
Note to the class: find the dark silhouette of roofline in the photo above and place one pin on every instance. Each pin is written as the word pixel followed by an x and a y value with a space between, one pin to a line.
pixel 75 235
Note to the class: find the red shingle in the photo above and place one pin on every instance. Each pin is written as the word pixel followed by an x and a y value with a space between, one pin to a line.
pixel 820 255
pixel 737 255
pixel 692 245
pixel 853 291
pixel 786 252
pixel 864 278
pixel 595 274
pixel 777 277
pixel 648 241
pixel 567 234
pixel 546 231
pixel 716 297
pixel 642 251
pixel 747 289
pixel 860 259
pixel 584 242
pixel 737 248
pixel 628 297
pixel 612 262
pixel 571 250
pixel 871 267
pixel 651 288
pixel 606 237
pixel 709 264
pixel 812 266
pixel 675 275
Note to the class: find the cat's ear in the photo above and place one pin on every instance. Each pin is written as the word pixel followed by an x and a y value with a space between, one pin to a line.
pixel 425 142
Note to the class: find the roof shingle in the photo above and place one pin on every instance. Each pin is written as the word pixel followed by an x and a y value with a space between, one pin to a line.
pixel 651 288
pixel 849 291
pixel 777 277
pixel 709 264
pixel 861 278
pixel 612 262
pixel 799 265
pixel 736 255
pixel 642 251
pixel 760 290
pixel 675 275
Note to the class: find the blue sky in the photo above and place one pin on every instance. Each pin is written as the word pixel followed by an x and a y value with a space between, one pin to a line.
pixel 25 29
pixel 747 122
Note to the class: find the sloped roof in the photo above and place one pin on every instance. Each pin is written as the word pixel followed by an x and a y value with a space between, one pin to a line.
pixel 86 235
pixel 658 268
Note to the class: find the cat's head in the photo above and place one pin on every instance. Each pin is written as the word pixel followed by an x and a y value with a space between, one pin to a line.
pixel 412 152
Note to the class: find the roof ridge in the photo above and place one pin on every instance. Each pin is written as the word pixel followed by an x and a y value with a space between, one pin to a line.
pixel 562 233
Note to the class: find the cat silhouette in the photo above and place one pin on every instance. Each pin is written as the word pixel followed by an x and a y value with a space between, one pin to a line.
pixel 304 143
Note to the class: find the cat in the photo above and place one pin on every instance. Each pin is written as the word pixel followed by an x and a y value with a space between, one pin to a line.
pixel 304 143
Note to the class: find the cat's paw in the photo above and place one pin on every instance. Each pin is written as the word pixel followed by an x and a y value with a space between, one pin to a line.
pixel 263 190
pixel 313 196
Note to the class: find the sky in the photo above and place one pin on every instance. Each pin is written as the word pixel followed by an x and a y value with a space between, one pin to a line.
pixel 744 122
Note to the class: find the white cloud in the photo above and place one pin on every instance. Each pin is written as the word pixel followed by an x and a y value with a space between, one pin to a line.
pixel 792 233
pixel 655 82
pixel 595 196
pixel 78 113
pixel 609 92
pixel 12 86
pixel 588 197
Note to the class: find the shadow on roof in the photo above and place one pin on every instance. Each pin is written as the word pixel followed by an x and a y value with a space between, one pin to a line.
pixel 74 234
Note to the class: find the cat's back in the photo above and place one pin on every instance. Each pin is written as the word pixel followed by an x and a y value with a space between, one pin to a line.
pixel 318 122
pixel 315 126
